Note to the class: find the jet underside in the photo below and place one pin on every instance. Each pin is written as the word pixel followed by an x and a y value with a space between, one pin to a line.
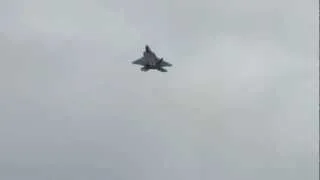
pixel 149 60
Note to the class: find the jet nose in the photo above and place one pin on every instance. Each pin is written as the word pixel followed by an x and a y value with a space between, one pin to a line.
pixel 147 48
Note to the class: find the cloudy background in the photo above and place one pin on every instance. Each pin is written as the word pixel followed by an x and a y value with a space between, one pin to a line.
pixel 240 101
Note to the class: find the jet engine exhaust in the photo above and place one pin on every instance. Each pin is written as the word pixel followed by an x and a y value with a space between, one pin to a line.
pixel 144 69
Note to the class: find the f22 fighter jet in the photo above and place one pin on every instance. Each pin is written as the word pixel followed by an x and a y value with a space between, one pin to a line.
pixel 149 60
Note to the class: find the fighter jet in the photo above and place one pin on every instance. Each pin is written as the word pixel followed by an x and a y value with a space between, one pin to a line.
pixel 149 60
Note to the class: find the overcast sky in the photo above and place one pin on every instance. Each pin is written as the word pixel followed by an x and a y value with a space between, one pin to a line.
pixel 239 103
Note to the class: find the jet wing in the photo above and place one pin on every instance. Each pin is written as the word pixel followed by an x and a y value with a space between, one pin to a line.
pixel 141 61
pixel 164 64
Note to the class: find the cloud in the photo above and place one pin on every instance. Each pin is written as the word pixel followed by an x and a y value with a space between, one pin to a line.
pixel 239 102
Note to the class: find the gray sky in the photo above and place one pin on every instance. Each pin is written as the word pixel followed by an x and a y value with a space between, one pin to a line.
pixel 238 104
